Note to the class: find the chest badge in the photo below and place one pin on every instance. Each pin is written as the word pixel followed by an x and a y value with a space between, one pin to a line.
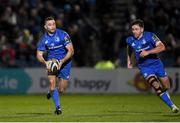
pixel 46 41
pixel 144 41
pixel 133 44
pixel 57 39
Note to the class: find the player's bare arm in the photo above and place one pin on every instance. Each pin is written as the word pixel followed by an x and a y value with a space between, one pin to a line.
pixel 70 52
pixel 159 48
pixel 129 55
pixel 40 58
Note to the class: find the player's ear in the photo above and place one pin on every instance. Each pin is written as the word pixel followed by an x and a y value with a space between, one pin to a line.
pixel 143 28
pixel 45 26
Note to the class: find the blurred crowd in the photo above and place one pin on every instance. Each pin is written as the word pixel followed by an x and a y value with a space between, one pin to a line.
pixel 90 26
pixel 163 18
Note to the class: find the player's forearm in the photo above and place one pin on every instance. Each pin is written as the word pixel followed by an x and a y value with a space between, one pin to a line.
pixel 68 56
pixel 129 62
pixel 157 49
pixel 40 58
pixel 129 54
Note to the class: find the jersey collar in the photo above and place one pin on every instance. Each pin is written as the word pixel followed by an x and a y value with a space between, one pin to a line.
pixel 52 34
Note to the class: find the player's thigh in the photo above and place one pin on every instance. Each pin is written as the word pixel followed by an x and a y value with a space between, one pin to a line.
pixel 165 82
pixel 64 72
pixel 162 75
pixel 64 75
pixel 63 83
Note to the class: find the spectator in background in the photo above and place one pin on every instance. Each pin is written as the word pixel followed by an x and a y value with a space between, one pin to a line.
pixel 7 56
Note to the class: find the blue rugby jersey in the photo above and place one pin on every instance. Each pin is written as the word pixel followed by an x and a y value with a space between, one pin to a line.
pixel 55 44
pixel 146 42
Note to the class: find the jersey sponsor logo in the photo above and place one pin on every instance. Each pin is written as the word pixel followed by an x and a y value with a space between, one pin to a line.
pixel 52 44
pixel 54 47
pixel 140 49
pixel 146 48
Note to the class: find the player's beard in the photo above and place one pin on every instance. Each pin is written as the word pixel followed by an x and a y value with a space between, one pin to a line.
pixel 138 36
pixel 51 31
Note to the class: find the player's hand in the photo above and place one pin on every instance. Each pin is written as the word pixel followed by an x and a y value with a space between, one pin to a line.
pixel 129 66
pixel 48 64
pixel 144 53
pixel 59 64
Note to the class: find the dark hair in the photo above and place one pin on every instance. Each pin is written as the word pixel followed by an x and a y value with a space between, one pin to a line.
pixel 138 22
pixel 48 18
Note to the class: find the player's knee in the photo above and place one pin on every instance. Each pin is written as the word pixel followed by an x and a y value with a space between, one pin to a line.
pixel 61 90
pixel 166 87
pixel 52 81
pixel 152 79
pixel 158 90
pixel 62 86
pixel 52 84
pixel 154 82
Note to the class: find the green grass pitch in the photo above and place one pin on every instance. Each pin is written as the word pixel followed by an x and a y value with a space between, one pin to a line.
pixel 88 108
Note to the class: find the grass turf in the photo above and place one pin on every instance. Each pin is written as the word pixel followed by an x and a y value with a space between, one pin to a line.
pixel 87 108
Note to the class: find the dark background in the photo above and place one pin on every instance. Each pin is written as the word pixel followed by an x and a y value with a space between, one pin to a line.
pixel 97 28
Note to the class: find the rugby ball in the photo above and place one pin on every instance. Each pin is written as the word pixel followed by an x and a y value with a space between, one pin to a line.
pixel 54 66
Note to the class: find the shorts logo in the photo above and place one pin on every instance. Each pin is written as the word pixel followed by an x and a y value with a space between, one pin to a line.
pixel 145 74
